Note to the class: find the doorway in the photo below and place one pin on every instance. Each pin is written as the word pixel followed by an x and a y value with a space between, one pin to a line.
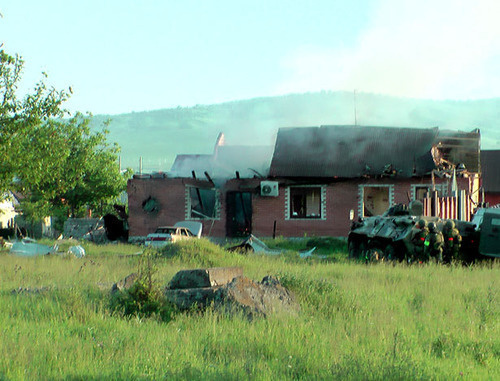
pixel 238 214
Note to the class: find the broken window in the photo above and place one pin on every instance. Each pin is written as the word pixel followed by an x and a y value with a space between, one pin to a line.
pixel 422 191
pixel 305 202
pixel 202 203
pixel 150 205
pixel 376 199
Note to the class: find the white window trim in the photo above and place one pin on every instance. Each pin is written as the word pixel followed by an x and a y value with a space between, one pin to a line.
pixel 323 202
pixel 188 205
pixel 361 193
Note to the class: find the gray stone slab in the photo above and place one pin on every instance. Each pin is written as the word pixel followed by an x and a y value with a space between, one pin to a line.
pixel 199 278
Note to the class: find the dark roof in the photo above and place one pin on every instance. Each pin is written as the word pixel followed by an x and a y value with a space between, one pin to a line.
pixel 353 151
pixel 490 170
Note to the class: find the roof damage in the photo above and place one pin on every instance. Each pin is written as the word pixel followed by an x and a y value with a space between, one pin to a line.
pixel 225 162
pixel 354 151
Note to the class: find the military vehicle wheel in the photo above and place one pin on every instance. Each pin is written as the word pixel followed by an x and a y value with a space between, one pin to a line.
pixel 363 250
pixel 353 248
pixel 375 255
pixel 390 252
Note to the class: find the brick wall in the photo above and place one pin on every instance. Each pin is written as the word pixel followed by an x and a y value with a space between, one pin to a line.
pixel 492 198
pixel 341 197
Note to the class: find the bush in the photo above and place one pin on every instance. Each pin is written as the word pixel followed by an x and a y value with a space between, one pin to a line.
pixel 145 297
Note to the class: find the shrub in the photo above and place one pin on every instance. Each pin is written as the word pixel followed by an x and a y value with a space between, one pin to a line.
pixel 145 297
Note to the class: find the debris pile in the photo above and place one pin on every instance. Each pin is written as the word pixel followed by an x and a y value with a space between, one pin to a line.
pixel 229 291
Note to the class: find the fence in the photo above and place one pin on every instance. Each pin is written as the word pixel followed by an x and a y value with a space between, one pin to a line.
pixel 458 207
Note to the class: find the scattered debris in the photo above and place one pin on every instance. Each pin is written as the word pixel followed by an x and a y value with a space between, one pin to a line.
pixel 229 291
pixel 77 251
pixel 252 243
pixel 29 248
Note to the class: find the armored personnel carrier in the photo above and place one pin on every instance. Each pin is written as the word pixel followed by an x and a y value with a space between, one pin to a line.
pixel 385 237
pixel 388 237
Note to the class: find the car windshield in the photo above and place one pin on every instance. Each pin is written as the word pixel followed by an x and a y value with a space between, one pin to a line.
pixel 165 230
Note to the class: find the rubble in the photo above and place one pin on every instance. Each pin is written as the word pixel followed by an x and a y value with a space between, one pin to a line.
pixel 77 251
pixel 29 248
pixel 229 292
pixel 252 243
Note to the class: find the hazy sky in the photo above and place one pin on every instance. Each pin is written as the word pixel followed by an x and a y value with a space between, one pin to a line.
pixel 121 56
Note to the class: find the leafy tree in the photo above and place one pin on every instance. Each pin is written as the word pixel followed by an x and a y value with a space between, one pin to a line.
pixel 50 156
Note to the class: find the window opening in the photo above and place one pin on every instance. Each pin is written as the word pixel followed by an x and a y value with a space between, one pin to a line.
pixel 150 205
pixel 202 203
pixel 375 200
pixel 305 202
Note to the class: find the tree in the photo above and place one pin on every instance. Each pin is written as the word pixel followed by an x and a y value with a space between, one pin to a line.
pixel 50 156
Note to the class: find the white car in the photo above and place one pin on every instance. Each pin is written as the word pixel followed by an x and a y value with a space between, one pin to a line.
pixel 165 235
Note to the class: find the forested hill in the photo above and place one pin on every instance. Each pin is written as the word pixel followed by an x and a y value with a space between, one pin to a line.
pixel 158 136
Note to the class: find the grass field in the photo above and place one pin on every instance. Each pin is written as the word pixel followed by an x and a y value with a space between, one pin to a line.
pixel 357 321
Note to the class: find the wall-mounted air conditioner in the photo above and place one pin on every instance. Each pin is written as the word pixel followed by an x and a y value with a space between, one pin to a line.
pixel 269 188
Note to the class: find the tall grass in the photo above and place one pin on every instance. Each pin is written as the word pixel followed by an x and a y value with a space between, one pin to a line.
pixel 357 321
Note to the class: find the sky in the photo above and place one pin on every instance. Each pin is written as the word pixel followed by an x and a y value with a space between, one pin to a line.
pixel 120 56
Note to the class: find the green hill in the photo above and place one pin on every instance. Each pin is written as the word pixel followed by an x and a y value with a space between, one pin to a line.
pixel 159 135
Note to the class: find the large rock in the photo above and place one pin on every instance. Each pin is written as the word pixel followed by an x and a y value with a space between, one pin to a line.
pixel 189 298
pixel 240 295
pixel 256 298
pixel 200 278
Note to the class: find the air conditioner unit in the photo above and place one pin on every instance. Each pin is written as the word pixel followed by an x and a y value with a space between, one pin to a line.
pixel 269 188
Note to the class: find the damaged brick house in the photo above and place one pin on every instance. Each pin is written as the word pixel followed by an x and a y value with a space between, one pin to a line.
pixel 319 178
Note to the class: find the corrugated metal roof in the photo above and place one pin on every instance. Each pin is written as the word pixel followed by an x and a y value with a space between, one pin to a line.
pixel 352 151
pixel 490 170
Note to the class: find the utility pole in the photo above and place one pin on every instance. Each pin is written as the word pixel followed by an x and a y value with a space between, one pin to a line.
pixel 355 113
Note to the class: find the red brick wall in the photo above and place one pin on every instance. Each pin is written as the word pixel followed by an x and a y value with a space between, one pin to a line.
pixel 492 198
pixel 341 197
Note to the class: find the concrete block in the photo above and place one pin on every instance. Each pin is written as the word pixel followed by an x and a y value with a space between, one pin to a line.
pixel 199 278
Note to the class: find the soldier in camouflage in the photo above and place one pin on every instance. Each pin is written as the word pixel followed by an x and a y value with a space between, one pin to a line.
pixel 433 245
pixel 417 240
pixel 452 242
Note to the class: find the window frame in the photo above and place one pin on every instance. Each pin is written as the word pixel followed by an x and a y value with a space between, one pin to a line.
pixel 188 213
pixel 288 202
pixel 442 189
pixel 361 195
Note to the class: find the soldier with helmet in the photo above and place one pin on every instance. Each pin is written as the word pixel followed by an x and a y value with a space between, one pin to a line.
pixel 452 242
pixel 433 245
pixel 417 240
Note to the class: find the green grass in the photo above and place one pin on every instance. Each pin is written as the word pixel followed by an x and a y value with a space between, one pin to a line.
pixel 357 321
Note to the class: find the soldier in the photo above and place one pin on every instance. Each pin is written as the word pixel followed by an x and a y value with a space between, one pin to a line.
pixel 417 240
pixel 452 242
pixel 434 243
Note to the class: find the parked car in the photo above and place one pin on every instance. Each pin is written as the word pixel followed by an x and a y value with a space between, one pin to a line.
pixel 165 235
